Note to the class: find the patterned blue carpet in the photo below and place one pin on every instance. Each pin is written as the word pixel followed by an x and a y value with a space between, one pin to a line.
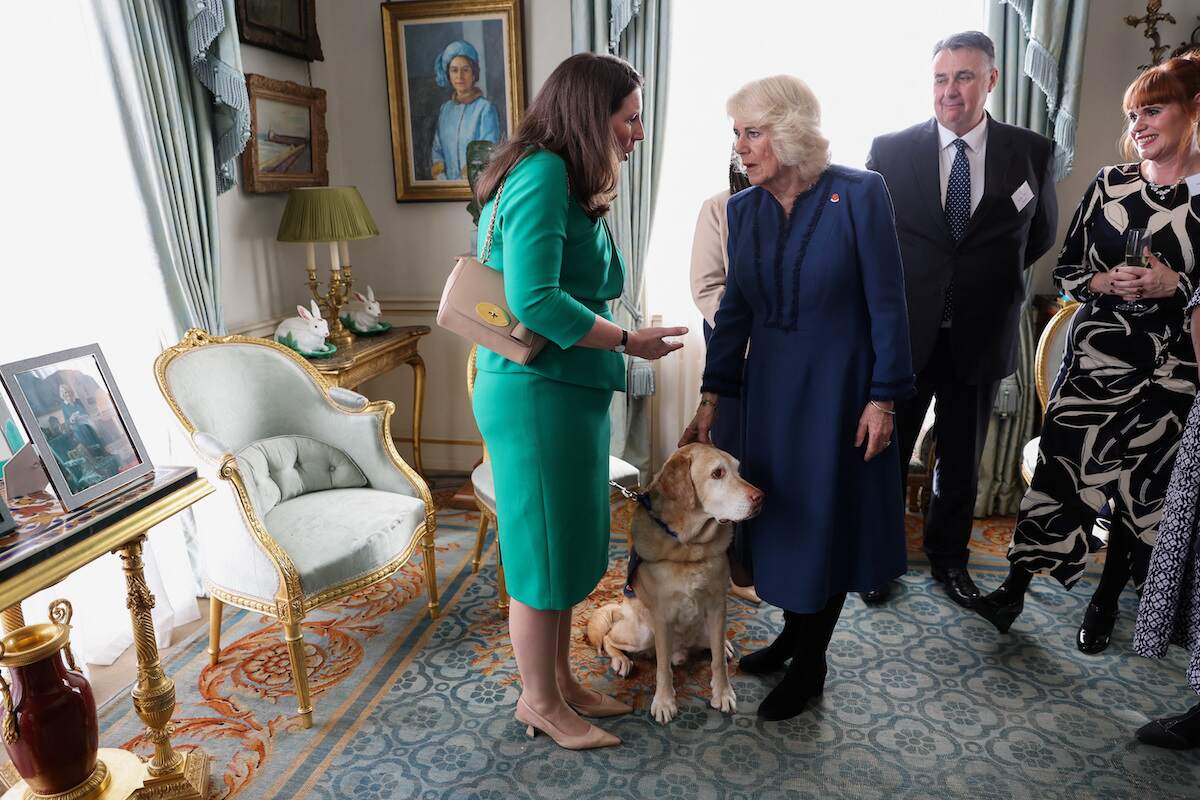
pixel 924 700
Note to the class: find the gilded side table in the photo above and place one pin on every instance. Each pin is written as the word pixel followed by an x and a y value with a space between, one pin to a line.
pixel 47 546
pixel 371 356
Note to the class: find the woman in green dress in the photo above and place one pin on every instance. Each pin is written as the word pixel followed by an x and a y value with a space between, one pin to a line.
pixel 546 424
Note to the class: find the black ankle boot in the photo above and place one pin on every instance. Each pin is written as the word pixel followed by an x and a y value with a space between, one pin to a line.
pixel 1002 607
pixel 1096 631
pixel 1180 732
pixel 774 656
pixel 799 686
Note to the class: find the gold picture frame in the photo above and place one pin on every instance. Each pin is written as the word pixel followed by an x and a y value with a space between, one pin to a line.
pixel 425 44
pixel 288 143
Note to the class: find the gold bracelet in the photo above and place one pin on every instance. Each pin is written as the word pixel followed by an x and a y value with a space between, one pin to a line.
pixel 881 408
pixel 704 401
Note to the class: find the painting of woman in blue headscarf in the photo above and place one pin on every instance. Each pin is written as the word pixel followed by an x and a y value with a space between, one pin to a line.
pixel 466 117
pixel 452 80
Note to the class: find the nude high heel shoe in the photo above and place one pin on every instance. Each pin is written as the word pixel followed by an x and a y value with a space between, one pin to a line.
pixel 603 706
pixel 594 737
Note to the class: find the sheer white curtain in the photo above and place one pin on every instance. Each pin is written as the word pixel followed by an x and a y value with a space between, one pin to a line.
pixel 868 65
pixel 80 267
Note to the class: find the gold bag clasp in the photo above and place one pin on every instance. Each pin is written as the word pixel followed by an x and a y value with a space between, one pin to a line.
pixel 492 314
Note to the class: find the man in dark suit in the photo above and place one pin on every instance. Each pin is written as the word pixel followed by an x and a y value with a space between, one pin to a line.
pixel 975 207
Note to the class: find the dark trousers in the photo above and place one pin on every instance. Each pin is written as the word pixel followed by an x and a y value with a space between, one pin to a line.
pixel 726 433
pixel 962 412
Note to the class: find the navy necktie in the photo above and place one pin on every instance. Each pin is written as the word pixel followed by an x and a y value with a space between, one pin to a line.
pixel 958 209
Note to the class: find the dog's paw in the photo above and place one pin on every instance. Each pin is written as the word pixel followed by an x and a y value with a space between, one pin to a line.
pixel 663 708
pixel 729 651
pixel 622 665
pixel 723 699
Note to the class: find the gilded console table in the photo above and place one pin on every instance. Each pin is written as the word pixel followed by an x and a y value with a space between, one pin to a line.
pixel 47 546
pixel 371 356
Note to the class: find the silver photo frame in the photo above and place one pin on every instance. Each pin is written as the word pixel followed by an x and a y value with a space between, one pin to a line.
pixel 75 417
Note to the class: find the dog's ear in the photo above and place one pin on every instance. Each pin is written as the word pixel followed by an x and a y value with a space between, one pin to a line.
pixel 675 481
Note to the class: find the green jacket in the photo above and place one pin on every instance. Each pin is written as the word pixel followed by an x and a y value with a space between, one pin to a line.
pixel 560 270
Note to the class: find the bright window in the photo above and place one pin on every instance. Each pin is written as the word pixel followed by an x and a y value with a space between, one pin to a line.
pixel 80 266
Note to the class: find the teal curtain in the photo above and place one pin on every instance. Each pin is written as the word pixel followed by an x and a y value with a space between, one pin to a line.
pixel 1039 52
pixel 177 68
pixel 637 31
pixel 216 60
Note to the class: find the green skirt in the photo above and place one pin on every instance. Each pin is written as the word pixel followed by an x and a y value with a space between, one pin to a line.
pixel 548 445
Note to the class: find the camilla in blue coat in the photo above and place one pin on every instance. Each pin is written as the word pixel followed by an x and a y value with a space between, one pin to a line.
pixel 812 334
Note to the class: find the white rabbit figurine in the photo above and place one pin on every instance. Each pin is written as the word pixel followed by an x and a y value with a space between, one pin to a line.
pixel 308 330
pixel 365 311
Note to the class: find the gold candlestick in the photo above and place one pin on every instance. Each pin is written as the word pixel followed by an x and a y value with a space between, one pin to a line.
pixel 335 215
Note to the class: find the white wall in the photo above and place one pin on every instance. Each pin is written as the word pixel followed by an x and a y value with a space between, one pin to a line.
pixel 408 262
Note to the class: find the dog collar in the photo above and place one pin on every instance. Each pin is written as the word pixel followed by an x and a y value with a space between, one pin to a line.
pixel 643 500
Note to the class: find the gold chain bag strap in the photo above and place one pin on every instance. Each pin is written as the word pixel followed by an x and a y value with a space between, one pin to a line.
pixel 474 306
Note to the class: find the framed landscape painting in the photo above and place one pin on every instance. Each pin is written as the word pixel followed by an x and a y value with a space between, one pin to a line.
pixel 288 142
pixel 78 422
pixel 455 75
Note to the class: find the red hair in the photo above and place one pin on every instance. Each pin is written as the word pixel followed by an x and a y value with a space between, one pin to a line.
pixel 1176 80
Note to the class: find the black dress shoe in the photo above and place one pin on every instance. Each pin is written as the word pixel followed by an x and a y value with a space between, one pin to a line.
pixel 1001 607
pixel 877 596
pixel 958 585
pixel 793 694
pixel 1096 631
pixel 1180 732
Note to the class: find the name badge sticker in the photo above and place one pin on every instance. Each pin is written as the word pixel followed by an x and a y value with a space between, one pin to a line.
pixel 1022 196
pixel 1193 184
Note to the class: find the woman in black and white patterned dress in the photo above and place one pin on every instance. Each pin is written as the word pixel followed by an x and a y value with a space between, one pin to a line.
pixel 1128 377
pixel 1169 611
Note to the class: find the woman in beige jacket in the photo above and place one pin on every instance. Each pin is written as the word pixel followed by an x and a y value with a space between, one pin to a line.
pixel 709 263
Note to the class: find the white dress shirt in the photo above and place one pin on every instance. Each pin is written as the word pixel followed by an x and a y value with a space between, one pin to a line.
pixel 976 140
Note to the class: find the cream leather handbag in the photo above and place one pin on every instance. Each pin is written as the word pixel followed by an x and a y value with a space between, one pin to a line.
pixel 473 305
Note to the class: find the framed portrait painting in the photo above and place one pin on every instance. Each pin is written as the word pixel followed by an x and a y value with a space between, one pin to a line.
pixel 75 416
pixel 455 75
pixel 288 143
pixel 285 26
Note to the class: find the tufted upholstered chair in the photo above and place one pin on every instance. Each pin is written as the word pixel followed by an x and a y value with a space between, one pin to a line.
pixel 329 506
pixel 484 487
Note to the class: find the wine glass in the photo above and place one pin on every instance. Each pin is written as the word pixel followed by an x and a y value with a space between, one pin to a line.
pixel 1137 242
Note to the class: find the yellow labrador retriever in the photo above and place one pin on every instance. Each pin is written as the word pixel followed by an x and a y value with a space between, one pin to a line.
pixel 681 529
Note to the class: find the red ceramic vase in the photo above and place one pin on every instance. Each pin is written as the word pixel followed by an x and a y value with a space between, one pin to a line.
pixel 49 729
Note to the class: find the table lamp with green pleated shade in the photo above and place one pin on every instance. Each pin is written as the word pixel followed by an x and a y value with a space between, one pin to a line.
pixel 333 214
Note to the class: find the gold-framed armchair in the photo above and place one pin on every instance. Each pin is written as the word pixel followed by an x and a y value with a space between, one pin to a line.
pixel 1047 362
pixel 329 507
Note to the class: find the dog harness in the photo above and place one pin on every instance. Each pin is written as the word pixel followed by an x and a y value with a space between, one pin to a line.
pixel 635 560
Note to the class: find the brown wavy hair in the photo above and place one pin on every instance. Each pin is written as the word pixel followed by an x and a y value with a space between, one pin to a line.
pixel 570 118
pixel 1176 80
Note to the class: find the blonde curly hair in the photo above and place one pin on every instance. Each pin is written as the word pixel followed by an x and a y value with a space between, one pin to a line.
pixel 784 106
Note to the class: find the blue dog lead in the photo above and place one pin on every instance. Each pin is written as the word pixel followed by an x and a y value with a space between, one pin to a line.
pixel 635 560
